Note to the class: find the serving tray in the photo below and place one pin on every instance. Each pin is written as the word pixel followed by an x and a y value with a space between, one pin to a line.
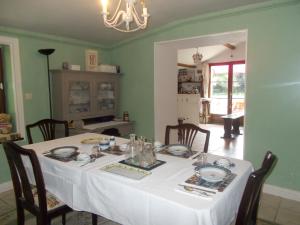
pixel 126 171
pixel 148 168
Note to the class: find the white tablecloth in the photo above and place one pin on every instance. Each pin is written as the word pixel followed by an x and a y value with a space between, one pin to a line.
pixel 153 200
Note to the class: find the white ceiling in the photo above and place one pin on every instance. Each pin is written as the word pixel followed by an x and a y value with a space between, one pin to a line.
pixel 81 19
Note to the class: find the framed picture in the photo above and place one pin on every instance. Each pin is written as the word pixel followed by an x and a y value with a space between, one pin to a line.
pixel 91 60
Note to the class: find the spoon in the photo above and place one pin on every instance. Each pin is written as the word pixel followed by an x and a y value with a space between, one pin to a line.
pixel 202 193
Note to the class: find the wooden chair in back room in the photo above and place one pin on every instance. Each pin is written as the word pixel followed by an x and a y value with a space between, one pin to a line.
pixel 186 134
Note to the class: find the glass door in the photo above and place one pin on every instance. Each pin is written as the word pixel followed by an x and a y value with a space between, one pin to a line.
pixel 227 87
pixel 219 89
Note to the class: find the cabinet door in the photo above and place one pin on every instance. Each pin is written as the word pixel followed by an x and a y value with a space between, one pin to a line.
pixel 106 96
pixel 78 98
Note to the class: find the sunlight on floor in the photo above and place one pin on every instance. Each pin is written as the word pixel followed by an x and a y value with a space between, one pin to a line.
pixel 225 147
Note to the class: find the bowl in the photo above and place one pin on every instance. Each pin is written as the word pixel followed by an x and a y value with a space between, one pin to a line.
pixel 83 157
pixel 123 147
pixel 223 162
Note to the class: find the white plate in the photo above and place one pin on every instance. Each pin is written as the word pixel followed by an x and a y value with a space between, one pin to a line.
pixel 64 151
pixel 212 174
pixel 177 149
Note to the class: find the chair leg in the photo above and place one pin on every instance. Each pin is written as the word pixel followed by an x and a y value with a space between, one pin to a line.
pixel 94 219
pixel 20 215
pixel 63 219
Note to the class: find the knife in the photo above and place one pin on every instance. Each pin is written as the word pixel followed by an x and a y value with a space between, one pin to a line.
pixel 196 188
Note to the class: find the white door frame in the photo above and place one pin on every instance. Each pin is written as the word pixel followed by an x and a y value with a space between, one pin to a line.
pixel 13 44
pixel 165 74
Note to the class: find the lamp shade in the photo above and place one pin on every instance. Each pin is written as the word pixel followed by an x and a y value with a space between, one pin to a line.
pixel 47 51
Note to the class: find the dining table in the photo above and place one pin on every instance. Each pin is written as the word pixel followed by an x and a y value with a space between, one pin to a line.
pixel 155 199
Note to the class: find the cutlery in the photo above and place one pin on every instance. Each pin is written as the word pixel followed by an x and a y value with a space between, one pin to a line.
pixel 197 189
pixel 90 161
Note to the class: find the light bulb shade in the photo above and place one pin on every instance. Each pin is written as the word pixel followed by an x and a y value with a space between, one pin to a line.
pixel 46 51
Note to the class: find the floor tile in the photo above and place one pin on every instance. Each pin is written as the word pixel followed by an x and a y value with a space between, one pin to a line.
pixel 267 212
pixel 270 200
pixel 291 205
pixel 287 217
pixel 8 197
pixel 5 208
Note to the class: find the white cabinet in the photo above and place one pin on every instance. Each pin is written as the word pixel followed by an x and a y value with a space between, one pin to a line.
pixel 188 106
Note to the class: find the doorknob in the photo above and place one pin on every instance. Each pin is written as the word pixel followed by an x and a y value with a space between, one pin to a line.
pixel 1 86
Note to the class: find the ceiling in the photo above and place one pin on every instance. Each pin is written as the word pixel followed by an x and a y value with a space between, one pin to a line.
pixel 81 19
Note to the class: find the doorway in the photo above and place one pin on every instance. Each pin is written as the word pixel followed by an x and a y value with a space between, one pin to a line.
pixel 166 82
pixel 227 87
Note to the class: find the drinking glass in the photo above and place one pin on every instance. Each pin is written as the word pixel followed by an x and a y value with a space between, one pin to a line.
pixel 202 159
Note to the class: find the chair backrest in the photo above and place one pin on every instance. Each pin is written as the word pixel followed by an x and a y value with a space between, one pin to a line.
pixel 47 128
pixel 247 213
pixel 186 134
pixel 21 182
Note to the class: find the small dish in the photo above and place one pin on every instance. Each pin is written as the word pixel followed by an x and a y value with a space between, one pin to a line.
pixel 123 147
pixel 83 157
pixel 224 162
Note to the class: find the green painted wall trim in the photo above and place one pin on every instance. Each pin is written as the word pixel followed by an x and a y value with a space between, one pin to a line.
pixel 210 16
pixel 48 37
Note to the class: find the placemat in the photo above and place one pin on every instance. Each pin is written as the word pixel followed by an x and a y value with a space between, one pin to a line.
pixel 71 158
pixel 150 167
pixel 219 186
pixel 186 155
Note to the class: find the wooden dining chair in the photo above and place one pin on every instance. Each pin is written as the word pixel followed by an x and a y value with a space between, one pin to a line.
pixel 33 198
pixel 247 213
pixel 186 134
pixel 47 128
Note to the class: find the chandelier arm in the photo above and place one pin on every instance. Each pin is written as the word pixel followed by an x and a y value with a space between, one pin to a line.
pixel 137 17
pixel 127 31
pixel 115 21
pixel 116 12
pixel 137 21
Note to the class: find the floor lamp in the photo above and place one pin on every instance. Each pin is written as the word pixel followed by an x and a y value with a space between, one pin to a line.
pixel 48 52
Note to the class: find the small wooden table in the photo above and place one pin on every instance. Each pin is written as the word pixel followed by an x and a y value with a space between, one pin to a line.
pixel 232 121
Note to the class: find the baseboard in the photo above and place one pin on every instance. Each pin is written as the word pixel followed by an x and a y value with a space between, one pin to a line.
pixel 282 192
pixel 6 186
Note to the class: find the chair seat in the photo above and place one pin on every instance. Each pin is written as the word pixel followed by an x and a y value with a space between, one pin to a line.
pixel 52 201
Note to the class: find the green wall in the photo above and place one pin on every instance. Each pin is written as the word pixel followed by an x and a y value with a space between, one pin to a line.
pixel 273 75
pixel 34 72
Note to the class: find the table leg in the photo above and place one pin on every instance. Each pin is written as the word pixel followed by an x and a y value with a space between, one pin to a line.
pixel 227 128
pixel 236 126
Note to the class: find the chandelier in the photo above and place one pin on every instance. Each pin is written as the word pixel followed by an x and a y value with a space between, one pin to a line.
pixel 126 20
pixel 197 58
